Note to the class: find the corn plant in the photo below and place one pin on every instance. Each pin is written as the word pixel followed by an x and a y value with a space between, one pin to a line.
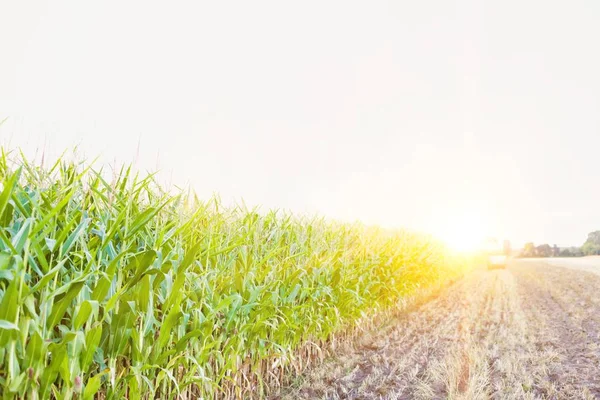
pixel 112 288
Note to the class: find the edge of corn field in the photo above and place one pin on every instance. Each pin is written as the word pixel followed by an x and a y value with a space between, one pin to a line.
pixel 113 288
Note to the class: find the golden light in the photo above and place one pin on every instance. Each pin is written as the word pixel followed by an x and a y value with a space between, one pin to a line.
pixel 463 232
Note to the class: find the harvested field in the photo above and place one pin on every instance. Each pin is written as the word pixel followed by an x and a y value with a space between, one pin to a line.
pixel 589 263
pixel 531 331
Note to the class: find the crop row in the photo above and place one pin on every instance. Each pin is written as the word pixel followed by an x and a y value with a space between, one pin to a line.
pixel 111 287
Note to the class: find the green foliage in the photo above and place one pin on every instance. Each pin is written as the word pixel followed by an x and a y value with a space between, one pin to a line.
pixel 571 252
pixel 118 289
pixel 592 244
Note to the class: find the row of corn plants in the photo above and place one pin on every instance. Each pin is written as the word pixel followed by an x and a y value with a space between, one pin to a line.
pixel 112 288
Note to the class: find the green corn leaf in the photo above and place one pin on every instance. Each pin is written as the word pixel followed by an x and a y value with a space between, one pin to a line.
pixel 58 353
pixel 21 237
pixel 176 291
pixel 8 326
pixel 92 340
pixel 46 279
pixel 189 257
pixel 101 289
pixel 112 233
pixel 7 216
pixel 39 256
pixel 167 326
pixel 50 243
pixel 144 293
pixel 9 309
pixel 66 230
pixel 93 385
pixel 62 302
pixel 143 219
pixel 85 309
pixel 134 389
pixel 182 343
pixel 4 260
pixel 44 221
pixel 35 351
pixel 9 186
pixel 16 383
pixel 141 263
pixel 294 293
pixel 76 234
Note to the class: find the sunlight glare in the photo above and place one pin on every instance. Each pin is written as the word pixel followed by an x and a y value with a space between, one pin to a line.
pixel 464 232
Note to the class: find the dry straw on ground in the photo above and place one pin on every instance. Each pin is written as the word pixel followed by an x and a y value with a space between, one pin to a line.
pixel 529 332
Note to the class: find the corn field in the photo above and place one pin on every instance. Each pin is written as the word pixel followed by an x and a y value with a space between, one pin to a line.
pixel 111 287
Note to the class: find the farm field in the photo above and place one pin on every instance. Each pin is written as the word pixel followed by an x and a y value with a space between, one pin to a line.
pixel 531 331
pixel 111 287
pixel 589 264
pixel 312 200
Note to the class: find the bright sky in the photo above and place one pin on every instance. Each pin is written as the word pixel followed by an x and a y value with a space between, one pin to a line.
pixel 451 117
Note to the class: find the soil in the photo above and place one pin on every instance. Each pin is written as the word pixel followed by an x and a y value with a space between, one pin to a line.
pixel 531 331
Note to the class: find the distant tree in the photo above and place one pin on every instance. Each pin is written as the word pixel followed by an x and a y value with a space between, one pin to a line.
pixel 565 253
pixel 592 244
pixel 529 250
pixel 544 250
pixel 590 249
pixel 594 237
pixel 571 252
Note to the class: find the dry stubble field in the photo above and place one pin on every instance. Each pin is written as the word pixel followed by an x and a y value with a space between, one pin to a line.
pixel 531 331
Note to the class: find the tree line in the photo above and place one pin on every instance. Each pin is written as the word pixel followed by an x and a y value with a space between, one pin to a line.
pixel 590 247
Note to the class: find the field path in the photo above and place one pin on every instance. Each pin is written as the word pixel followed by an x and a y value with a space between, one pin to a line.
pixel 529 332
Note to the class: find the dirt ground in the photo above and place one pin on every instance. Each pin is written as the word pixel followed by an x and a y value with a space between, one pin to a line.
pixel 531 331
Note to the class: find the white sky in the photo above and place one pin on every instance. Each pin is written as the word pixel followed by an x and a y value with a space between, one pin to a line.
pixel 422 114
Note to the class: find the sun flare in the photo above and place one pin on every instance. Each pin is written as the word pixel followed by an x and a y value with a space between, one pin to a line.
pixel 464 232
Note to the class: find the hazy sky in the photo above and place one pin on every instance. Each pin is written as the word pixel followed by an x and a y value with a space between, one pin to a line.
pixel 427 114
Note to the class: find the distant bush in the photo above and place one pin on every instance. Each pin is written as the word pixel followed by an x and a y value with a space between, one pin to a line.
pixel 571 252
